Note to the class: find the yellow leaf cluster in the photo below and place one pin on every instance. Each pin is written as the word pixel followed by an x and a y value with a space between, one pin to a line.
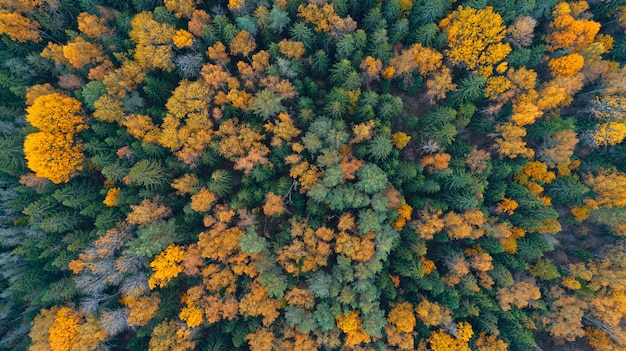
pixel 357 248
pixel 257 303
pixel 475 38
pixel 441 341
pixel 507 206
pixel 432 313
pixel 64 330
pixel 53 153
pixel 283 129
pixel 141 309
pixel 202 200
pixel 510 144
pixel 400 139
pixel 520 294
pixel 112 193
pixel 291 49
pixel 171 336
pixel 166 265
pixel 371 67
pixel 567 65
pixel 428 223
pixel 242 43
pixel 182 38
pixel 435 162
pixel 402 317
pixel 351 325
pixel 19 27
pixel 153 49
pixel 569 32
pixel 309 249
pixel 92 26
pixel 404 214
pixel 609 134
pixel 609 187
pixel 181 8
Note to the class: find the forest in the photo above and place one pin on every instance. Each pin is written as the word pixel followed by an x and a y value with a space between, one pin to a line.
pixel 259 175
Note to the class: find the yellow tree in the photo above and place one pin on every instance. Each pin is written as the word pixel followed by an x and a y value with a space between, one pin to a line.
pixel 19 27
pixel 152 38
pixel 166 265
pixel 53 153
pixel 569 32
pixel 475 38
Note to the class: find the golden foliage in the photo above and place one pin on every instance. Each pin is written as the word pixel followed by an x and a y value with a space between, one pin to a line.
pixel 202 200
pixel 262 339
pixel 152 38
pixel 510 144
pixel 428 223
pixel 432 314
pixel 609 187
pixel 242 43
pixel 171 336
pixel 441 341
pixel 181 8
pixel 92 26
pixel 273 204
pixel 609 134
pixel 141 309
pixel 357 248
pixel 80 52
pixel 257 303
pixel 521 31
pixel 507 206
pixel 569 32
pixel 182 38
pixel 309 249
pixel 112 193
pixel 435 162
pixel 351 325
pixel 291 49
pixel 40 331
pixel 166 265
pixel 19 27
pixel 185 184
pixel 402 317
pixel 64 330
pixel 567 65
pixel 53 153
pixel 475 38
pixel 400 140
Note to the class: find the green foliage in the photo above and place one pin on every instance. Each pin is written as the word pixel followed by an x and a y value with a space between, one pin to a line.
pixel 149 174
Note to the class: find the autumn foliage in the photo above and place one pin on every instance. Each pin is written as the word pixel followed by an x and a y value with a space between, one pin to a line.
pixel 312 175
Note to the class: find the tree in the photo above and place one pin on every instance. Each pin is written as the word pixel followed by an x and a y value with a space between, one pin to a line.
pixel 53 153
pixel 273 204
pixel 521 32
pixel 569 32
pixel 475 38
pixel 166 265
pixel 19 27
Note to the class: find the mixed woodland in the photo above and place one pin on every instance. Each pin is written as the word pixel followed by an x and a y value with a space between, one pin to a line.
pixel 312 175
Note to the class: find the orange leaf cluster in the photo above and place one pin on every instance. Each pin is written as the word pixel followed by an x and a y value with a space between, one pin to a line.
pixel 273 204
pixel 147 212
pixel 309 249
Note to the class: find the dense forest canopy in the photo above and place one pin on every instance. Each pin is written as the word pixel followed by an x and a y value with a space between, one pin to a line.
pixel 312 175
